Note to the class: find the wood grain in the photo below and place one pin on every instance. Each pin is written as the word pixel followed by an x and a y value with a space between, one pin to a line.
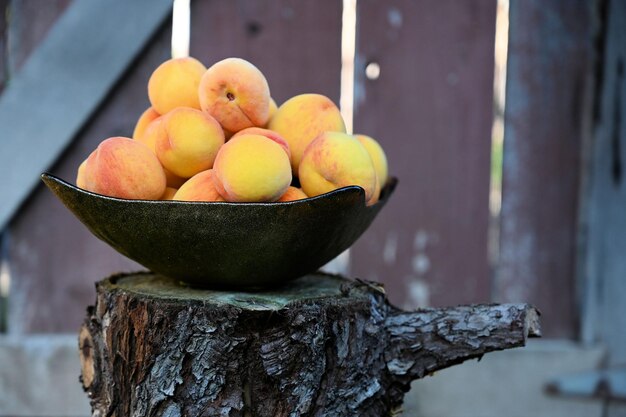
pixel 29 23
pixel 297 45
pixel 604 266
pixel 4 20
pixel 62 84
pixel 547 108
pixel 431 109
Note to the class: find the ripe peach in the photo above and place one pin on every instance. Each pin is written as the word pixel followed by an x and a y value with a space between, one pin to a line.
pixel 124 168
pixel 144 121
pixel 83 180
pixel 273 108
pixel 236 93
pixel 252 168
pixel 150 136
pixel 200 187
pixel 301 119
pixel 292 194
pixel 268 134
pixel 189 143
pixel 169 193
pixel 378 157
pixel 175 84
pixel 336 160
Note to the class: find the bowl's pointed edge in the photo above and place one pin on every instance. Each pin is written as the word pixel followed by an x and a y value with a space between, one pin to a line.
pixel 57 185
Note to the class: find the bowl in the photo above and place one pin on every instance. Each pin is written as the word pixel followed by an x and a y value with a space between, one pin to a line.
pixel 226 245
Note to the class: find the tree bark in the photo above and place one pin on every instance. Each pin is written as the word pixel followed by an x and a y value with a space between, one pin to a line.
pixel 320 346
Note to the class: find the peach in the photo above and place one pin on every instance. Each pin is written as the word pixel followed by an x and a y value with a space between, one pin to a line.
pixel 83 179
pixel 144 121
pixel 188 142
pixel 268 134
pixel 200 187
pixel 175 84
pixel 273 108
pixel 378 156
pixel 336 160
pixel 124 168
pixel 236 93
pixel 292 194
pixel 301 119
pixel 252 168
pixel 169 193
pixel 150 136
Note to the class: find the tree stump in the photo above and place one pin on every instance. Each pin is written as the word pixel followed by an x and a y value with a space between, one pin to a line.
pixel 322 345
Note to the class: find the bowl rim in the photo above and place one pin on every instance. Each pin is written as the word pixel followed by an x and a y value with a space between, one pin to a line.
pixel 390 184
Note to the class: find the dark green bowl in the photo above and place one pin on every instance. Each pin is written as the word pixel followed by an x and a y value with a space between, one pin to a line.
pixel 226 245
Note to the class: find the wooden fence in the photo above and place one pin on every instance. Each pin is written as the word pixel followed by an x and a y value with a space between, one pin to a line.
pixel 431 108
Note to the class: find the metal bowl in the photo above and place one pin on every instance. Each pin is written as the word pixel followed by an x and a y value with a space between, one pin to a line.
pixel 226 245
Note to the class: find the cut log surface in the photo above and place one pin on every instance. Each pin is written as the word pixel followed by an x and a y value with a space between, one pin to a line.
pixel 322 345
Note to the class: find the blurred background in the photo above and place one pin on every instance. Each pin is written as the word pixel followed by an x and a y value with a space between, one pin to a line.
pixel 501 119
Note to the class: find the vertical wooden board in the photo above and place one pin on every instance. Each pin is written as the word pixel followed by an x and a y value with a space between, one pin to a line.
pixel 548 73
pixel 54 260
pixel 30 20
pixel 4 9
pixel 605 218
pixel 296 44
pixel 431 109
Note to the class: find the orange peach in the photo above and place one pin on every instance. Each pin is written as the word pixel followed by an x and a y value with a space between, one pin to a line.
pixel 169 193
pixel 273 108
pixel 153 132
pixel 270 134
pixel 83 180
pixel 236 93
pixel 301 119
pixel 292 194
pixel 144 121
pixel 124 168
pixel 336 160
pixel 252 168
pixel 378 157
pixel 200 187
pixel 175 84
pixel 189 141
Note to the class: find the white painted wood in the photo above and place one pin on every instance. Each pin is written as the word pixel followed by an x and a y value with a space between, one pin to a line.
pixel 62 84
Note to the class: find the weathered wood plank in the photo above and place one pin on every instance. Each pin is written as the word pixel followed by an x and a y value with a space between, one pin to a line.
pixel 63 82
pixel 547 107
pixel 431 109
pixel 28 23
pixel 296 44
pixel 4 8
pixel 54 260
pixel 604 272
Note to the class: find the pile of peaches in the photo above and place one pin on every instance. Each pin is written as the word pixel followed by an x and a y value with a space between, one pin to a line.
pixel 217 135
